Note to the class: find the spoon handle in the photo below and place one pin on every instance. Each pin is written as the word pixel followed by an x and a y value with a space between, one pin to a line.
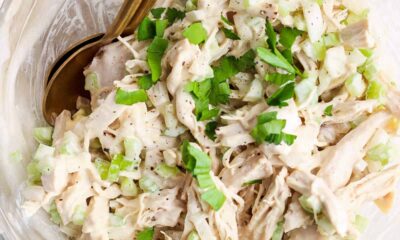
pixel 140 14
pixel 126 13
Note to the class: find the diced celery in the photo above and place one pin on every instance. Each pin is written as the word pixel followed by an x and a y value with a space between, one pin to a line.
pixel 376 91
pixel 70 144
pixel 355 85
pixel 133 147
pixel 382 153
pixel 148 185
pixel 361 223
pixel 278 233
pixel 310 204
pixel 116 221
pixel 102 167
pixel 255 92
pixel 128 187
pixel 43 152
pixel 79 215
pixel 331 39
pixel 325 227
pixel 306 91
pixel 92 83
pixel 193 236
pixel 191 5
pixel 54 215
pixel 166 171
pixel 356 58
pixel 43 135
pixel 34 175
pixel 319 48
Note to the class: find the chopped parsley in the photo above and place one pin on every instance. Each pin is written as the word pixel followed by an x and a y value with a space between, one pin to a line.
pixel 216 90
pixel 195 33
pixel 225 20
pixel 157 12
pixel 174 14
pixel 276 60
pixel 287 37
pixel 270 129
pixel 279 79
pixel 271 34
pixel 210 130
pixel 230 34
pixel 283 94
pixel 130 98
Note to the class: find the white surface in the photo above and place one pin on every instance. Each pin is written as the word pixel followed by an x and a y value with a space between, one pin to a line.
pixel 29 46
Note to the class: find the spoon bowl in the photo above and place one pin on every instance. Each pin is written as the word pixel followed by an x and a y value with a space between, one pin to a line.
pixel 65 80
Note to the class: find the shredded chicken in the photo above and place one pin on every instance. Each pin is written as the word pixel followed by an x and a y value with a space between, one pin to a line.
pixel 225 120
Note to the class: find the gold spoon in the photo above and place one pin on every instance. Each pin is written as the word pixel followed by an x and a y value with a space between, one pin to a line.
pixel 66 80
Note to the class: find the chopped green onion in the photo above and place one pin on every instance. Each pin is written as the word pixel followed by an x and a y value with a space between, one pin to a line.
pixel 102 167
pixel 310 204
pixel 203 161
pixel 145 82
pixel 128 187
pixel 146 30
pixel 43 135
pixel 328 111
pixel 214 197
pixel 252 182
pixel 278 233
pixel 288 36
pixel 161 25
pixel 157 12
pixel 130 98
pixel 195 33
pixel 146 234
pixel 269 129
pixel 148 185
pixel 79 215
pixel 155 52
pixel 116 221
pixel 166 171
pixel 274 60
pixel 205 181
pixel 230 34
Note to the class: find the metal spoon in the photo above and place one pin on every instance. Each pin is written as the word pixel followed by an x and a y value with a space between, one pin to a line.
pixel 66 80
